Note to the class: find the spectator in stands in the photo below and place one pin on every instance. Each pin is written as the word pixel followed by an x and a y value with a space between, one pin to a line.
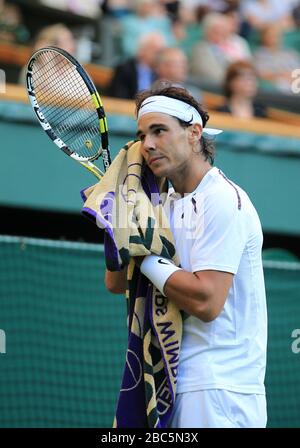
pixel 212 5
pixel 116 8
pixel 220 47
pixel 180 16
pixel 259 13
pixel 148 16
pixel 235 19
pixel 171 64
pixel 240 89
pixel 137 73
pixel 57 35
pixel 238 24
pixel 274 63
pixel 296 15
pixel 172 8
pixel 12 28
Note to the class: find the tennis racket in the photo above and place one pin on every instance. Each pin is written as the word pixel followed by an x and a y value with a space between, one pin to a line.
pixel 68 107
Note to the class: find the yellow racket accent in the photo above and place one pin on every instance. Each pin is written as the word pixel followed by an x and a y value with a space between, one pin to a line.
pixel 103 127
pixel 93 169
pixel 99 99
pixel 96 101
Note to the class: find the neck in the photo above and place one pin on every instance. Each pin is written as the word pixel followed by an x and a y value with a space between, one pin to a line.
pixel 187 179
pixel 241 106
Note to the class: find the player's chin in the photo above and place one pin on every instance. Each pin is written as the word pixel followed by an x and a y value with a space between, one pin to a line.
pixel 159 171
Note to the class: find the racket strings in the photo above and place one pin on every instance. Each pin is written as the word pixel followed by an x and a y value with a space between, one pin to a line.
pixel 66 103
pixel 71 97
pixel 56 85
pixel 53 84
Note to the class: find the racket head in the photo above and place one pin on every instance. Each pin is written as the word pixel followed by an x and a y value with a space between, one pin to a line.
pixel 67 105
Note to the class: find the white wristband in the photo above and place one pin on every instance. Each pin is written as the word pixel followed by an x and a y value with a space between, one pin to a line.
pixel 158 270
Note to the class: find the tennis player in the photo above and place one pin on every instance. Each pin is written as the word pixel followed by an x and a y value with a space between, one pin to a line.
pixel 220 284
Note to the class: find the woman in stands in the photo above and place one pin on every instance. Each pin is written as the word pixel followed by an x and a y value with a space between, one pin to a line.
pixel 240 89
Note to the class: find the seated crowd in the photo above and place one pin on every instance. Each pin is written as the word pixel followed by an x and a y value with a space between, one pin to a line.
pixel 237 46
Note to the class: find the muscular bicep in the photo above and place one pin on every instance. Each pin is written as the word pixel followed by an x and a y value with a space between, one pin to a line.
pixel 217 283
pixel 201 294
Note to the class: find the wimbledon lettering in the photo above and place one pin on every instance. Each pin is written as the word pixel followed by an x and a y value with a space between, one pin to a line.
pixel 168 333
pixel 161 304
pixel 171 349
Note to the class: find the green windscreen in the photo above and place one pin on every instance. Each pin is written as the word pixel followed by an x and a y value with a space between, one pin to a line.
pixel 63 337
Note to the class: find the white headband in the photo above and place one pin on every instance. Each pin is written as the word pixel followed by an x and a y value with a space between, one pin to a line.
pixel 176 108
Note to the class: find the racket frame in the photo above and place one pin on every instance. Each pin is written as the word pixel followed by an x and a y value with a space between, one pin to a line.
pixel 103 130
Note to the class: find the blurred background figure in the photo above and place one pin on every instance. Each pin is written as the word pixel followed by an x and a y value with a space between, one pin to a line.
pixel 137 73
pixel 240 89
pixel 220 46
pixel 173 9
pixel 273 62
pixel 296 15
pixel 57 35
pixel 116 8
pixel 147 16
pixel 171 64
pixel 12 28
pixel 211 5
pixel 236 21
pixel 259 13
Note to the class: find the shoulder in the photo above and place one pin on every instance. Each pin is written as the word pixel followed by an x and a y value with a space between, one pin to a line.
pixel 128 63
pixel 231 197
pixel 126 69
pixel 221 196
pixel 261 52
pixel 239 40
pixel 224 196
pixel 202 46
pixel 293 54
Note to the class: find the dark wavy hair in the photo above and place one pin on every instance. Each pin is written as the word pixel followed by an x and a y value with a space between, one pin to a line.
pixel 180 93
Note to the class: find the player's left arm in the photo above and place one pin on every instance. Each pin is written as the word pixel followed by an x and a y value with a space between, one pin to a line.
pixel 201 294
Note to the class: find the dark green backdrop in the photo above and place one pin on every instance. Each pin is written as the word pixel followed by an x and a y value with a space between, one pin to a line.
pixel 35 174
pixel 66 337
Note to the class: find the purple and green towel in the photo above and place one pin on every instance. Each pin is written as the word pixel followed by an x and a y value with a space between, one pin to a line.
pixel 127 205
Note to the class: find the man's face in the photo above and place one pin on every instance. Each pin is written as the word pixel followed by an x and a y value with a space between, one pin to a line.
pixel 173 66
pixel 165 144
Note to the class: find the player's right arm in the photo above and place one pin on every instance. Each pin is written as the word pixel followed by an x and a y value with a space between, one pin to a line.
pixel 116 281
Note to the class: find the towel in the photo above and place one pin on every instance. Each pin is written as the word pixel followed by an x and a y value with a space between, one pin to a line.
pixel 128 206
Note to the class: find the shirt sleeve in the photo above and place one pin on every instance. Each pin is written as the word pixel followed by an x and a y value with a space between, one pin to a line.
pixel 221 235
